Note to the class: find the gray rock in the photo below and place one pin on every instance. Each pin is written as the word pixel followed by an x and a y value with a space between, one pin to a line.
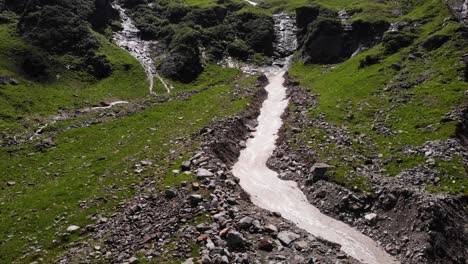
pixel 301 245
pixel 246 222
pixel 170 193
pixel 186 165
pixel 206 259
pixel 319 170
pixel 370 217
pixel 287 237
pixel 146 163
pixel 235 239
pixel 204 173
pixel 195 199
pixel 271 228
pixel 133 260
pixel 72 228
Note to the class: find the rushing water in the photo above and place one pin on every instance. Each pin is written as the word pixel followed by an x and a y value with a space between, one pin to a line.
pixel 140 49
pixel 273 194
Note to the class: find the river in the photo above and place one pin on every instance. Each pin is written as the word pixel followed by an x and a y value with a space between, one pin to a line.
pixel 273 194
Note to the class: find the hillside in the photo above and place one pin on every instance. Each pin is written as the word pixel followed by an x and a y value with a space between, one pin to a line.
pixel 272 131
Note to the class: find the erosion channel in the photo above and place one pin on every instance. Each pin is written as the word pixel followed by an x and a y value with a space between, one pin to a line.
pixel 271 193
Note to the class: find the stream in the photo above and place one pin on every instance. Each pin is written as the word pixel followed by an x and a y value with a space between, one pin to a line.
pixel 269 192
pixel 129 40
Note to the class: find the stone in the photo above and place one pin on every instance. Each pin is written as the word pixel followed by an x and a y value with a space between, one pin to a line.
pixel 265 245
pixel 301 245
pixel 11 183
pixel 206 259
pixel 235 239
pixel 246 222
pixel 287 237
pixel 319 170
pixel 186 165
pixel 195 199
pixel 72 228
pixel 146 163
pixel 370 217
pixel 133 260
pixel 170 193
pixel 202 237
pixel 195 186
pixel 271 228
pixel 204 173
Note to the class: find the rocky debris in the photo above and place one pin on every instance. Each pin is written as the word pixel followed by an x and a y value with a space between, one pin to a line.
pixel 204 173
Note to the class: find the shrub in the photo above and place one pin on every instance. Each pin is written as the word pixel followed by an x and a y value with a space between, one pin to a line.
pixel 239 49
pixel 58 30
pixel 394 41
pixel 99 66
pixel 35 65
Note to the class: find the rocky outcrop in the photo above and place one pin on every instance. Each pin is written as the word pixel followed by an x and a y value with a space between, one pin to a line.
pixel 459 9
pixel 325 38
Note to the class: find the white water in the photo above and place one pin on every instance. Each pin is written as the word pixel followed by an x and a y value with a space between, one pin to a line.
pixel 273 194
pixel 105 107
pixel 128 39
pixel 251 2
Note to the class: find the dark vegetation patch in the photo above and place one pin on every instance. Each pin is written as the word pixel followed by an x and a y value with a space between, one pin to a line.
pixel 217 29
pixel 56 28
pixel 324 39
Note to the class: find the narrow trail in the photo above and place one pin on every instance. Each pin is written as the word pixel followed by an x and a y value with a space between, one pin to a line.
pixel 273 194
pixel 129 40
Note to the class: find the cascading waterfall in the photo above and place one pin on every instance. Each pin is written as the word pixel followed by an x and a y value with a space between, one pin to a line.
pixel 140 49
pixel 271 193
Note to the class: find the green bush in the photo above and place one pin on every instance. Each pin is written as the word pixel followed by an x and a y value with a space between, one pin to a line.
pixel 35 65
pixel 394 41
pixel 57 29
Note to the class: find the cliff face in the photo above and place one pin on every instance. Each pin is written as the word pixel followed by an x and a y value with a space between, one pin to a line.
pixel 326 37
pixel 459 9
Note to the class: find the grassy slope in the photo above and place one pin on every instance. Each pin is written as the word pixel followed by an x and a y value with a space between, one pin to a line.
pixel 344 88
pixel 22 104
pixel 89 161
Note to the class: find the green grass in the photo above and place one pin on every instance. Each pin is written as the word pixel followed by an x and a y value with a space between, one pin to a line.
pixel 24 104
pixel 344 89
pixel 212 75
pixel 93 163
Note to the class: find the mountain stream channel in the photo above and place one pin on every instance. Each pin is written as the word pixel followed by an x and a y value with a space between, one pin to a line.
pixel 271 193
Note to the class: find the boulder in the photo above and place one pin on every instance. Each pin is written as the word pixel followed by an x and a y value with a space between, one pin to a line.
pixel 287 237
pixel 246 222
pixel 204 173
pixel 235 239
